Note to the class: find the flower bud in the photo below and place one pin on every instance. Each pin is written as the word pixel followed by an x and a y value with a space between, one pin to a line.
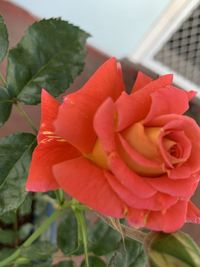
pixel 174 250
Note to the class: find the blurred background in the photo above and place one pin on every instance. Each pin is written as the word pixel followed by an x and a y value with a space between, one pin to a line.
pixel 159 35
pixel 154 36
pixel 116 26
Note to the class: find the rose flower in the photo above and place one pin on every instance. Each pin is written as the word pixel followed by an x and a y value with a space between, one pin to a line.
pixel 124 155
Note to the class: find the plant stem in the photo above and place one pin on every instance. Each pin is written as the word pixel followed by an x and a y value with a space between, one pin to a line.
pixel 83 229
pixel 126 230
pixel 19 107
pixel 60 196
pixel 25 116
pixel 42 228
pixel 10 259
pixel 35 235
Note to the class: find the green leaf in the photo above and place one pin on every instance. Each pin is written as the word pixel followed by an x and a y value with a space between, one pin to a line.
pixel 15 156
pixel 94 262
pixel 5 252
pixel 129 254
pixel 3 39
pixel 67 235
pixel 7 236
pixel 40 252
pixel 65 264
pixel 26 207
pixel 50 56
pixel 102 238
pixel 5 106
pixel 8 217
pixel 23 262
pixel 177 249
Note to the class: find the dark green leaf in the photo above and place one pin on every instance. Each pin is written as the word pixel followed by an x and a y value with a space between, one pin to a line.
pixel 67 236
pixel 5 106
pixel 177 249
pixel 94 262
pixel 15 156
pixel 3 39
pixel 50 56
pixel 5 252
pixel 26 207
pixel 8 217
pixel 39 252
pixel 102 238
pixel 23 262
pixel 7 236
pixel 65 264
pixel 129 254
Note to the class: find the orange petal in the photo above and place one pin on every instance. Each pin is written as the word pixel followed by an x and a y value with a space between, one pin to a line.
pixel 104 124
pixel 50 151
pixel 168 100
pixel 141 140
pixel 184 188
pixel 129 179
pixel 159 201
pixel 141 80
pixel 86 182
pixel 193 213
pixel 137 162
pixel 169 220
pixel 133 108
pixel 49 111
pixel 75 116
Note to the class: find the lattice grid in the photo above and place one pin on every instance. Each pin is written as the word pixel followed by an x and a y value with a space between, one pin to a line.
pixel 182 51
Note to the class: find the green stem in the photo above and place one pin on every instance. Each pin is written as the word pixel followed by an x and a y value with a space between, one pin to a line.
pixel 60 196
pixel 25 116
pixel 34 236
pixel 126 230
pixel 11 258
pixel 3 80
pixel 19 107
pixel 83 229
pixel 42 228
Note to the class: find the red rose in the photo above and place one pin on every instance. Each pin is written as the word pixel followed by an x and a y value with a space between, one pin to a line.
pixel 124 155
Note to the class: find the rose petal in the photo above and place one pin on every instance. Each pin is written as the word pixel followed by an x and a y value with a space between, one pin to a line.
pixel 193 213
pixel 179 139
pixel 186 124
pixel 137 162
pixel 143 140
pixel 75 116
pixel 141 80
pixel 168 221
pixel 191 94
pixel 183 188
pixel 135 183
pixel 168 100
pixel 86 182
pixel 50 151
pixel 137 217
pixel 133 108
pixel 192 131
pixel 183 141
pixel 104 124
pixel 159 201
pixel 49 110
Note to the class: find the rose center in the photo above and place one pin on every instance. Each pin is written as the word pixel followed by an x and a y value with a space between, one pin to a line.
pixel 175 151
pixel 98 155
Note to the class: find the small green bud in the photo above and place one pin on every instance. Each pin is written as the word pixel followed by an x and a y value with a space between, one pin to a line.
pixel 174 250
